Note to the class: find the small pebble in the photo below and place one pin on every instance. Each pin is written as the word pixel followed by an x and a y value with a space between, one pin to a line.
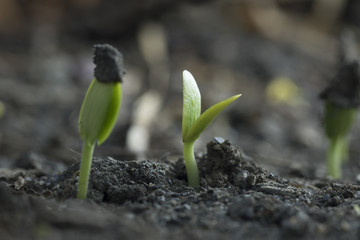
pixel 219 139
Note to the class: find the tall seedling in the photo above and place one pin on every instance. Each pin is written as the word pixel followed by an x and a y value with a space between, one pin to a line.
pixel 100 107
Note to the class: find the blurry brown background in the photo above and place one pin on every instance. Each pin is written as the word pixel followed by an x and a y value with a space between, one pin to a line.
pixel 278 53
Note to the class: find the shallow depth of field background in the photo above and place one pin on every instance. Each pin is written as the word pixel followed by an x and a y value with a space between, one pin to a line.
pixel 279 54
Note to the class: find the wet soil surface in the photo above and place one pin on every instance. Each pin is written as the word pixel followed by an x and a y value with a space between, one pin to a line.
pixel 151 200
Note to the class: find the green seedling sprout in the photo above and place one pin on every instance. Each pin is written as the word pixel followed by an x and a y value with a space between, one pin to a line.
pixel 341 102
pixel 100 107
pixel 194 123
pixel 337 123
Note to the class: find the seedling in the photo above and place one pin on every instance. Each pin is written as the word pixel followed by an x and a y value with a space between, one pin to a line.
pixel 194 123
pixel 338 122
pixel 100 107
pixel 341 102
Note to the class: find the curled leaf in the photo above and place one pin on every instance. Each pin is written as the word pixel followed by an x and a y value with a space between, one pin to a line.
pixel 99 111
pixel 112 114
pixel 191 102
pixel 338 120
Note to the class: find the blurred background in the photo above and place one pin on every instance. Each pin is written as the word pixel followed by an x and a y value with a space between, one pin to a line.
pixel 280 54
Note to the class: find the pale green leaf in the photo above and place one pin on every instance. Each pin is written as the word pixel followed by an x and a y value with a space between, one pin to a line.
pixel 338 120
pixel 191 102
pixel 206 118
pixel 98 113
pixel 112 113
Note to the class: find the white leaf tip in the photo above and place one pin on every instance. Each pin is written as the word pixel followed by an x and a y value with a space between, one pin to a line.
pixel 187 75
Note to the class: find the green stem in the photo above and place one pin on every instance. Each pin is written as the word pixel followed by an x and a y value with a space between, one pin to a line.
pixel 86 160
pixel 345 149
pixel 191 165
pixel 335 156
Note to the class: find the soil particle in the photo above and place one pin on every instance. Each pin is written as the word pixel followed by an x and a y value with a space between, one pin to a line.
pixel 344 87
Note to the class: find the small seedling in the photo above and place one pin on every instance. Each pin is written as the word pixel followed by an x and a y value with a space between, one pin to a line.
pixel 100 107
pixel 194 123
pixel 337 123
pixel 341 102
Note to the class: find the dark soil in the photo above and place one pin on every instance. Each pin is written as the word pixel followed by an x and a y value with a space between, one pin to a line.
pixel 151 200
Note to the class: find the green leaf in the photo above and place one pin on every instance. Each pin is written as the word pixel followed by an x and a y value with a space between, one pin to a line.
pixel 338 120
pixel 206 118
pixel 99 111
pixel 191 102
pixel 112 113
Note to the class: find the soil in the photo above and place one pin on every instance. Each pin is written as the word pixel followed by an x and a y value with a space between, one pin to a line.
pixel 268 181
pixel 151 200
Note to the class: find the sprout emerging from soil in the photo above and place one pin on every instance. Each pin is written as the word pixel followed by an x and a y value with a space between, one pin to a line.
pixel 341 102
pixel 194 123
pixel 338 122
pixel 100 107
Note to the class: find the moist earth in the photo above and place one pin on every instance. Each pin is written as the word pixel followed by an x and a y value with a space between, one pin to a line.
pixel 150 199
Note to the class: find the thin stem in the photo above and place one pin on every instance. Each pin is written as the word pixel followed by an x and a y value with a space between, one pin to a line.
pixel 191 165
pixel 335 156
pixel 345 149
pixel 86 160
